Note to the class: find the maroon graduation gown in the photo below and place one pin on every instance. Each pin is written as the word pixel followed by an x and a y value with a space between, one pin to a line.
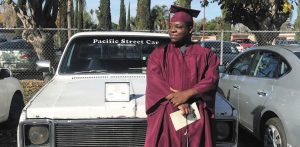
pixel 196 68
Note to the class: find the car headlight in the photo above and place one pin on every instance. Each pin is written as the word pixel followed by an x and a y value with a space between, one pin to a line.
pixel 117 92
pixel 225 131
pixel 37 134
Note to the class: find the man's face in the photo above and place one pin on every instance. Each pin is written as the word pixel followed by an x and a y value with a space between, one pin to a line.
pixel 178 31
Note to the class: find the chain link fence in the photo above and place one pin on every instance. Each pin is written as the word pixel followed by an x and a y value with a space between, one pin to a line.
pixel 20 56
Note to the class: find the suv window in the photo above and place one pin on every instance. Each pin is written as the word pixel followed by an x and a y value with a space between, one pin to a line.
pixel 108 54
pixel 242 40
pixel 16 45
pixel 228 47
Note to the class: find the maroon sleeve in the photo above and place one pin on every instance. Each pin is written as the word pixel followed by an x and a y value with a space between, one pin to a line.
pixel 157 87
pixel 209 82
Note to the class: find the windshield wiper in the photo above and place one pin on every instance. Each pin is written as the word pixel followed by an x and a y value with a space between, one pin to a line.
pixel 91 71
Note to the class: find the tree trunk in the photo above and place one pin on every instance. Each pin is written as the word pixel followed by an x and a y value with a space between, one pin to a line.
pixel 43 45
pixel 80 14
pixel 69 18
pixel 44 15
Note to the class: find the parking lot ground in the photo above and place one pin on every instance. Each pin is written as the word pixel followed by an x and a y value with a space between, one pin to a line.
pixel 8 137
pixel 247 140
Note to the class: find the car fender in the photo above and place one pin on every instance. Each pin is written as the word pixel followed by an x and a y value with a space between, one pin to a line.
pixel 13 86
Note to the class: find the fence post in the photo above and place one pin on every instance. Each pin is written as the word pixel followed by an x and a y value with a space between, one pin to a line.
pixel 222 45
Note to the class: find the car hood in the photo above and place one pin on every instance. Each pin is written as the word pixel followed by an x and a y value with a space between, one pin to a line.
pixel 84 98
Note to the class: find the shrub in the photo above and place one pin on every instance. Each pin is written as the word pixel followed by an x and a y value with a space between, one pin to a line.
pixel 31 87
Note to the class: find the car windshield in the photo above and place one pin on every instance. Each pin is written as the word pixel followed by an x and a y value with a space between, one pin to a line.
pixel 243 41
pixel 108 54
pixel 16 45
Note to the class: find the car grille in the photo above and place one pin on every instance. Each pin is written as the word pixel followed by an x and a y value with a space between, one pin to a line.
pixel 107 132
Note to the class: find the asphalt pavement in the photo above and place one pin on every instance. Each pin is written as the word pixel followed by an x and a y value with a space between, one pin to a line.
pixel 247 140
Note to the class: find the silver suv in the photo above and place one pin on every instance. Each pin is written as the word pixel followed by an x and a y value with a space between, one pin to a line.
pixel 97 95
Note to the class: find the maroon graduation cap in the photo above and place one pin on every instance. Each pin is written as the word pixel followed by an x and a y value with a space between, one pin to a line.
pixel 183 14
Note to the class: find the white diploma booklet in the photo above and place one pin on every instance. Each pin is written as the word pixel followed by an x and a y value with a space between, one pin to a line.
pixel 180 121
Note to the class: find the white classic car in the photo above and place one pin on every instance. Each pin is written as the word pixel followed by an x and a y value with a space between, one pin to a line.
pixel 11 99
pixel 97 95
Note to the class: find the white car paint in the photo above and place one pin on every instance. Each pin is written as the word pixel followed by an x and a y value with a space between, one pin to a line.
pixel 8 87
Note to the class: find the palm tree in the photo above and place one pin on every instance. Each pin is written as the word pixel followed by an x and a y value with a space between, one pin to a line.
pixel 159 17
pixel 69 17
pixel 79 9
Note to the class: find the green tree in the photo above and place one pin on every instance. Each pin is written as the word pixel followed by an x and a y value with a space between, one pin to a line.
pixel 133 23
pixel 218 24
pixel 8 17
pixel 297 22
pixel 128 19
pixel 92 12
pixel 70 16
pixel 114 26
pixel 19 22
pixel 34 15
pixel 104 15
pixel 257 15
pixel 159 17
pixel 88 21
pixel 143 15
pixel 122 19
pixel 81 5
pixel 184 3
pixel 62 36
pixel 76 14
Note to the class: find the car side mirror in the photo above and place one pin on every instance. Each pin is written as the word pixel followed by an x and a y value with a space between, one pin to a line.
pixel 5 73
pixel 222 69
pixel 43 66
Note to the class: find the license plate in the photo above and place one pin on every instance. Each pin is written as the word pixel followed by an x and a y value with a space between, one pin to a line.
pixel 9 65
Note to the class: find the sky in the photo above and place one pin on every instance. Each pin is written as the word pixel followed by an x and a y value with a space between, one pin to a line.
pixel 212 11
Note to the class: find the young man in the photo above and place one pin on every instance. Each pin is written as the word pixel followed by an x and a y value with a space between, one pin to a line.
pixel 178 75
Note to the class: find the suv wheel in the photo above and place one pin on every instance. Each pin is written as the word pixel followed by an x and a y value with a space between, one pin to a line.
pixel 274 135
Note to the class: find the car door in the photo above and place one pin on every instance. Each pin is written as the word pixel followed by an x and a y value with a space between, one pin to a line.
pixel 229 83
pixel 3 97
pixel 256 88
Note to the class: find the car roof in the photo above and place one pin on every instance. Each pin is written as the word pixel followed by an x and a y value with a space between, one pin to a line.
pixel 291 48
pixel 120 33
pixel 214 41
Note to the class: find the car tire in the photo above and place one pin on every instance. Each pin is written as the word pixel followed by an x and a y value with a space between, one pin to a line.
pixel 273 133
pixel 16 107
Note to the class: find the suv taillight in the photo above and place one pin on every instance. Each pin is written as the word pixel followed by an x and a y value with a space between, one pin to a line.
pixel 25 56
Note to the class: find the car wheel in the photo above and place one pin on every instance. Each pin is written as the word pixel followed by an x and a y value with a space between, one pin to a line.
pixel 16 106
pixel 274 135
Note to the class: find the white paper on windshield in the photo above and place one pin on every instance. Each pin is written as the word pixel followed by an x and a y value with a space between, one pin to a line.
pixel 117 91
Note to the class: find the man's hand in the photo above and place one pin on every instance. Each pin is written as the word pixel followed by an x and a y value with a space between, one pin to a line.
pixel 185 109
pixel 180 97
